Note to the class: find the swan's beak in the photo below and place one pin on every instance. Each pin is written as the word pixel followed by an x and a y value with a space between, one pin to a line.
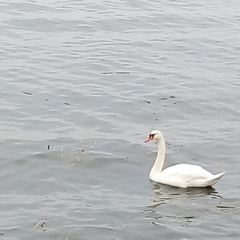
pixel 150 137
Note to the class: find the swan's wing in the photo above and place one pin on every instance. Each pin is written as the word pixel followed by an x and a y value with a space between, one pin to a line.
pixel 186 172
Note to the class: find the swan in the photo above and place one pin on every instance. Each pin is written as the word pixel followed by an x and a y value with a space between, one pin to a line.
pixel 180 175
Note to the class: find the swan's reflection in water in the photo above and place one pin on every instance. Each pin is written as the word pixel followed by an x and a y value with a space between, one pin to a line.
pixel 180 203
pixel 165 193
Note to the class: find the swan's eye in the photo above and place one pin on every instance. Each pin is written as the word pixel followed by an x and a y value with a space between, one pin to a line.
pixel 151 135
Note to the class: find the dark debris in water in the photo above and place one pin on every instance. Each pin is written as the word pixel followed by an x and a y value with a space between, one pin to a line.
pixel 42 223
pixel 81 150
pixel 106 73
pixel 122 72
pixel 48 147
pixel 188 217
pixel 164 98
pixel 27 93
pixel 225 207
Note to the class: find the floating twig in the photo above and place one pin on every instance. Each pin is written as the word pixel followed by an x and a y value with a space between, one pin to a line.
pixel 42 222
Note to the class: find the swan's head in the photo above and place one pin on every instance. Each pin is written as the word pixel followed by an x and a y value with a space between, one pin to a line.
pixel 155 134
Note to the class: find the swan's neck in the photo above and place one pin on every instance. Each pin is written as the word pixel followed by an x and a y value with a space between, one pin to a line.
pixel 158 165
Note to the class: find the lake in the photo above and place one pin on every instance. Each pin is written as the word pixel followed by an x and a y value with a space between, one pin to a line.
pixel 83 83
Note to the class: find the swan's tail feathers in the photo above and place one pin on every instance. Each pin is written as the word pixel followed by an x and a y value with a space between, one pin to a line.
pixel 216 177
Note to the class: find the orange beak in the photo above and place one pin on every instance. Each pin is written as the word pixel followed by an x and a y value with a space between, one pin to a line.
pixel 150 137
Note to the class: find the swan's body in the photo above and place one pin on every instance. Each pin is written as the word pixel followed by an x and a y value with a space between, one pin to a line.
pixel 180 175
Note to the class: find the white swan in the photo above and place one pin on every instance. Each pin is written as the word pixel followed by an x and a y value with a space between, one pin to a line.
pixel 180 175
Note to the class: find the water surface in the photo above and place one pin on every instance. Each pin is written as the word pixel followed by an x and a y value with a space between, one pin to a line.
pixel 83 84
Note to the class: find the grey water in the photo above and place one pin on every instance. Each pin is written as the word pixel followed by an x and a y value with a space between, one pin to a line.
pixel 82 85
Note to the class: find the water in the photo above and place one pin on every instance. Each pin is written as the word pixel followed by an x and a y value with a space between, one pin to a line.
pixel 83 84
